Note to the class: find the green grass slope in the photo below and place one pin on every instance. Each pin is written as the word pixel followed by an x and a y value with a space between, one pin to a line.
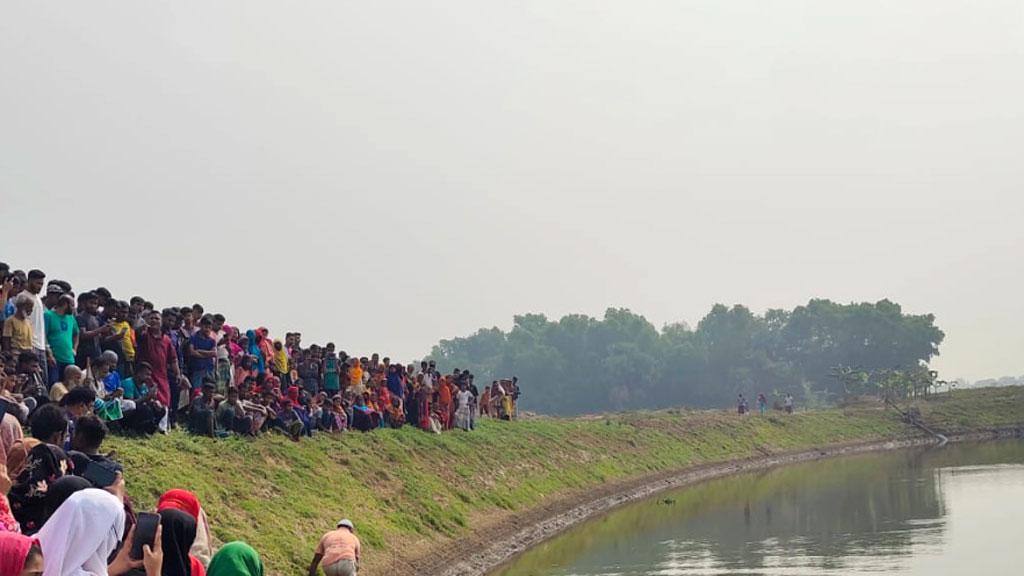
pixel 407 490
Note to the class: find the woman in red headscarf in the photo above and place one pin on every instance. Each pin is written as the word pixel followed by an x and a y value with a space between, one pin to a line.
pixel 177 499
pixel 19 555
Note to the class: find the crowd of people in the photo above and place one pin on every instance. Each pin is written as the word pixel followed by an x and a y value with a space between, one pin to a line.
pixel 64 510
pixel 78 367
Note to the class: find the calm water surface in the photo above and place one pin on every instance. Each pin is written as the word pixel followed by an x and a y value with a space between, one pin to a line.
pixel 954 510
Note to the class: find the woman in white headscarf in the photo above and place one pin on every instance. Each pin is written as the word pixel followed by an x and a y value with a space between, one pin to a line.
pixel 82 534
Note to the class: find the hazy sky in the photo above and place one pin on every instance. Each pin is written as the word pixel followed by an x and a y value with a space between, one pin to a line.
pixel 386 174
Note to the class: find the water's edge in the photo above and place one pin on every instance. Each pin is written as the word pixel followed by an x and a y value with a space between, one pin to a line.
pixel 536 526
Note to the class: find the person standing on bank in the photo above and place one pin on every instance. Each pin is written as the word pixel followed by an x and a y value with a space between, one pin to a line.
pixel 338 550
pixel 33 287
pixel 62 335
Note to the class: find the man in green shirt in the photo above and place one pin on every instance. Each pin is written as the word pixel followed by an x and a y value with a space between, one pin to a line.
pixel 61 337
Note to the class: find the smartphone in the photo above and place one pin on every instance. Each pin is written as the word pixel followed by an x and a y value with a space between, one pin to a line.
pixel 101 475
pixel 4 405
pixel 146 524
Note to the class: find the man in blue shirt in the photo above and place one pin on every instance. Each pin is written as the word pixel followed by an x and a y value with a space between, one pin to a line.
pixel 202 353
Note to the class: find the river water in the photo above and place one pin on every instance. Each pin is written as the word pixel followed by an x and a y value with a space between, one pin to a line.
pixel 929 512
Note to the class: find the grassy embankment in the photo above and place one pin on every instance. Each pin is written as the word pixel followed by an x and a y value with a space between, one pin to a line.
pixel 407 490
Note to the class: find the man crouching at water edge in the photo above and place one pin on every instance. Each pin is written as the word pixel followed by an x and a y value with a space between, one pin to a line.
pixel 339 551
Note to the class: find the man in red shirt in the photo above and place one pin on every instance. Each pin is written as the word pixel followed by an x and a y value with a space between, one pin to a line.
pixel 154 347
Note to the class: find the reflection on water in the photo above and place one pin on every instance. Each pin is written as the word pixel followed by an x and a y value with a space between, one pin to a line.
pixel 936 511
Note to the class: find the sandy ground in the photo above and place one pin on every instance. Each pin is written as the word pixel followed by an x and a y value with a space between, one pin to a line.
pixel 500 539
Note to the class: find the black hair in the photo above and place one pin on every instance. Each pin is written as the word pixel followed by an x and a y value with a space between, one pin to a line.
pixel 137 300
pixel 148 305
pixel 219 318
pixel 78 396
pixel 92 432
pixel 59 491
pixel 48 420
pixel 36 274
pixel 27 356
pixel 143 365
pixel 66 300
pixel 65 285
pixel 87 296
pixel 34 552
pixel 101 291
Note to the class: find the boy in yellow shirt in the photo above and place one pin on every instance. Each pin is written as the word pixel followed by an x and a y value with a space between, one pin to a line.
pixel 121 326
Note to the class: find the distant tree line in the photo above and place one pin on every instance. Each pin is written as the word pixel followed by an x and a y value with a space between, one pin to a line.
pixel 580 364
pixel 996 382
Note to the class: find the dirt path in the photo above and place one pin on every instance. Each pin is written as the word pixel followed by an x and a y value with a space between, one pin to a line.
pixel 508 535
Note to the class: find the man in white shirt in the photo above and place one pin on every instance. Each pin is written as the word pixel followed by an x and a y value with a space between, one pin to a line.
pixel 224 371
pixel 464 410
pixel 33 286
pixel 428 378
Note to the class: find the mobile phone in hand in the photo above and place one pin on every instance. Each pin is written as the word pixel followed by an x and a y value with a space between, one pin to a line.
pixel 146 524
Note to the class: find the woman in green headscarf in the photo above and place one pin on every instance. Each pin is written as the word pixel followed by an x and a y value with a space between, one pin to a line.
pixel 235 559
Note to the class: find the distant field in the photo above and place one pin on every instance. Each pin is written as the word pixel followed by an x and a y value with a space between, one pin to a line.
pixel 408 491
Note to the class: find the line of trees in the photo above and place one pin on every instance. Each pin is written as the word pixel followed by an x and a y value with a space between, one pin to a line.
pixel 892 383
pixel 580 364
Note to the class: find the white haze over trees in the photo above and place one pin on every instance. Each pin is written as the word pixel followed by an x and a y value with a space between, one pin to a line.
pixel 388 174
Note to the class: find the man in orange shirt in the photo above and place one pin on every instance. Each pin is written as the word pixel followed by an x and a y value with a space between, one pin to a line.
pixel 338 550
